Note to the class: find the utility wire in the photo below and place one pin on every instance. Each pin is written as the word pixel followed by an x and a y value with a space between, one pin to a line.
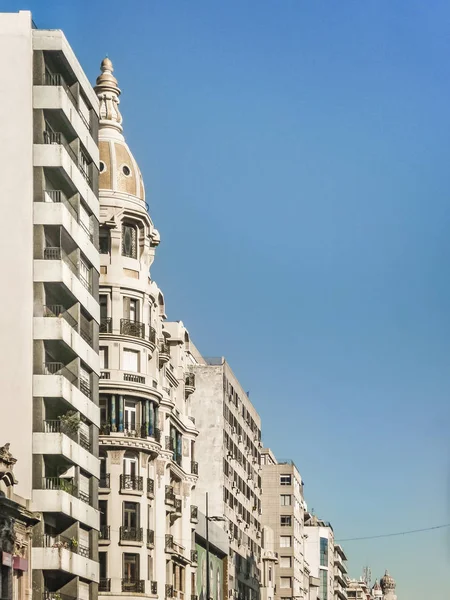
pixel 384 535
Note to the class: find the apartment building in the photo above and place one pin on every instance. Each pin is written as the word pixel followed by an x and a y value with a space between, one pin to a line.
pixel 340 573
pixel 283 508
pixel 269 564
pixel 49 313
pixel 228 451
pixel 147 441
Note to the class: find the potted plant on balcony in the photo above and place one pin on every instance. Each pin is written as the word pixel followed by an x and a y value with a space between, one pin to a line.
pixel 74 544
pixel 70 422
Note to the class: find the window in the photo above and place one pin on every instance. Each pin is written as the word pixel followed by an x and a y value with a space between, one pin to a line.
pixel 285 541
pixel 103 308
pixel 285 480
pixel 104 242
pixel 102 560
pixel 130 416
pixel 323 587
pixel 285 520
pixel 103 352
pixel 131 515
pixel 285 582
pixel 103 509
pixel 85 274
pixel 130 464
pixel 129 239
pixel 270 574
pixel 126 170
pixel 131 360
pixel 102 166
pixel 285 562
pixel 323 552
pixel 285 500
pixel 131 567
pixel 130 309
pixel 103 410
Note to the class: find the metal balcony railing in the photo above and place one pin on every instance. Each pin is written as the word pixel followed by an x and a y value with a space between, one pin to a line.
pixel 194 556
pixel 58 79
pixel 154 587
pixel 58 310
pixel 88 233
pixel 150 537
pixel 56 137
pixel 104 533
pixel 133 328
pixel 169 543
pixel 84 442
pixel 104 585
pixel 58 426
pixel 87 336
pixel 152 335
pixel 190 380
pixel 194 513
pixel 150 486
pixel 133 585
pixel 164 348
pixel 178 505
pixel 105 325
pixel 85 388
pixel 134 378
pixel 194 467
pixel 64 485
pixel 105 429
pixel 170 494
pixel 59 197
pixel 104 481
pixel 131 482
pixel 169 591
pixel 131 534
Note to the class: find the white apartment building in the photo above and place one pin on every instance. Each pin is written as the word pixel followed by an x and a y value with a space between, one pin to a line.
pixel 147 441
pixel 340 573
pixel 283 507
pixel 49 311
pixel 228 451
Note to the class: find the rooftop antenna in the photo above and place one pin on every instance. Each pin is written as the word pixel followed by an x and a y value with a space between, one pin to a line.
pixel 367 576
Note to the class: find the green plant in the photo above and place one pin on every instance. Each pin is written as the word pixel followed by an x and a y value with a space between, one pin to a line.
pixel 74 543
pixel 70 421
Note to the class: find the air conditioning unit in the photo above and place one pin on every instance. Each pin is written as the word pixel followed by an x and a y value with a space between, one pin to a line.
pixel 239 518
pixel 240 439
pixel 234 486
pixel 233 430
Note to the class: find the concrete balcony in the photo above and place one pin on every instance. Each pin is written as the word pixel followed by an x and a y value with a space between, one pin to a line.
pixel 48 271
pixel 56 95
pixel 59 501
pixel 57 156
pixel 61 445
pixel 59 213
pixel 58 386
pixel 63 559
pixel 47 328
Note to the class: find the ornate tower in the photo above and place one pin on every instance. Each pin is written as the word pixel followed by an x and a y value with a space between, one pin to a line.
pixel 146 437
pixel 388 587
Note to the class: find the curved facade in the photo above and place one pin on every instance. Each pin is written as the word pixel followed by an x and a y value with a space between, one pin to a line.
pixel 147 439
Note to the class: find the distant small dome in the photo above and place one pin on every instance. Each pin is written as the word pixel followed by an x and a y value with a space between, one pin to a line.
pixel 387 582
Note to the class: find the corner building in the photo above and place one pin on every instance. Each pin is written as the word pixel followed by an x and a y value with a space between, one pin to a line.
pixel 147 437
pixel 49 311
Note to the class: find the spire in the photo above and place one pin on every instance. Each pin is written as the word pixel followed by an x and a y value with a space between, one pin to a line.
pixel 108 93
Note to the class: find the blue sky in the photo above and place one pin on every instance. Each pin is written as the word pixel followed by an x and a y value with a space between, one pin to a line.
pixel 295 155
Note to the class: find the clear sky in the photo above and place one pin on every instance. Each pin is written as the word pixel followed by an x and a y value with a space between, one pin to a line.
pixel 296 161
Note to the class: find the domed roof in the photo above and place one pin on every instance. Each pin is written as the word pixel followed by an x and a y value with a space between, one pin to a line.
pixel 119 172
pixel 387 582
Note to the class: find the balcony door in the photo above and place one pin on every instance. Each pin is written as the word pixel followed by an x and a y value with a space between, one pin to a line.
pixel 130 465
pixel 130 416
pixel 130 515
pixel 131 309
pixel 131 567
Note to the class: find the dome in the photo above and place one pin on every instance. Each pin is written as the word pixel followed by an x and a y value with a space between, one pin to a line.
pixel 387 582
pixel 119 171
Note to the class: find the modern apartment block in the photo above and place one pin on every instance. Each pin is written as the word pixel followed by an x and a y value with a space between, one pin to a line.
pixel 283 508
pixel 228 452
pixel 325 558
pixel 147 441
pixel 49 311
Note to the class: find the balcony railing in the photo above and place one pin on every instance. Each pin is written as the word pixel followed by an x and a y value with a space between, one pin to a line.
pixel 152 335
pixel 85 388
pixel 58 253
pixel 150 486
pixel 104 481
pixel 58 310
pixel 134 378
pixel 105 375
pixel 190 380
pixel 104 533
pixel 133 328
pixel 56 596
pixel 88 233
pixel 59 197
pixel 154 587
pixel 169 591
pixel 194 556
pixel 194 467
pixel 105 325
pixel 58 426
pixel 52 253
pixel 170 494
pixel 57 79
pixel 84 442
pixel 178 505
pixel 133 585
pixel 169 543
pixel 105 428
pixel 150 537
pixel 56 137
pixel 55 483
pixel 194 513
pixel 131 482
pixel 131 534
pixel 58 368
pixel 104 585
pixel 87 336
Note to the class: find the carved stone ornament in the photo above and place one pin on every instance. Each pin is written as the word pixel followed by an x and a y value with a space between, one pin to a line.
pixel 116 457
pixel 7 462
pixel 7 535
pixel 185 447
pixel 160 470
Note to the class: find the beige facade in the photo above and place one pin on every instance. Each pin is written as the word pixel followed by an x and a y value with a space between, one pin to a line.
pixel 269 564
pixel 50 269
pixel 228 452
pixel 282 510
pixel 147 441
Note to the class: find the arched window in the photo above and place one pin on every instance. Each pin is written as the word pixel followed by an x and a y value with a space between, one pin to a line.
pixel 129 240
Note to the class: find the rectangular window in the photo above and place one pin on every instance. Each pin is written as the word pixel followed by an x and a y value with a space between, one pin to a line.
pixel 323 552
pixel 285 562
pixel 103 509
pixel 103 352
pixel 129 237
pixel 285 480
pixel 323 588
pixel 130 416
pixel 285 582
pixel 103 565
pixel 285 541
pixel 131 567
pixel 285 520
pixel 104 241
pixel 131 360
pixel 131 515
pixel 285 500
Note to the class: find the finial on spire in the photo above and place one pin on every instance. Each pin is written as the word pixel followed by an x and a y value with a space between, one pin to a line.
pixel 108 93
